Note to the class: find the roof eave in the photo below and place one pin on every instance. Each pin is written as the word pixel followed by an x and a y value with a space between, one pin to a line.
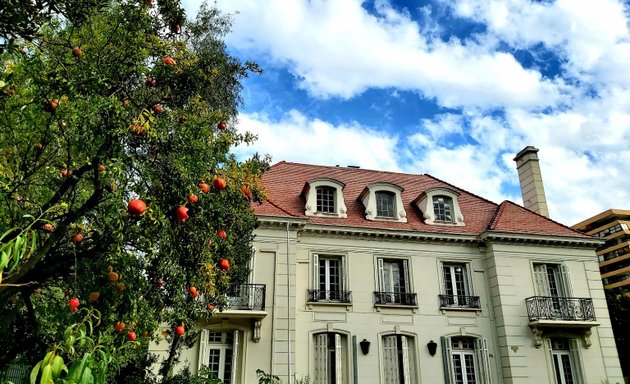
pixel 499 236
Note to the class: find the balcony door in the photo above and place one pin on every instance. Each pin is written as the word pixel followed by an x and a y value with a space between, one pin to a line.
pixel 553 281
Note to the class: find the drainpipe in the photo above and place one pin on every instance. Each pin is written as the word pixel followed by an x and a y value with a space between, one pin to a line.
pixel 288 310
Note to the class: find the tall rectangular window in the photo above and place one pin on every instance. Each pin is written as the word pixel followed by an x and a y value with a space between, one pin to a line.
pixel 457 287
pixel 566 360
pixel 398 359
pixel 466 360
pixel 552 280
pixel 218 350
pixel 329 279
pixel 326 199
pixel 394 283
pixel 330 358
pixel 385 204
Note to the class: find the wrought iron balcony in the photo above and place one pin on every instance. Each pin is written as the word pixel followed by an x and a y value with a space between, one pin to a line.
pixel 395 298
pixel 459 302
pixel 319 296
pixel 247 297
pixel 560 308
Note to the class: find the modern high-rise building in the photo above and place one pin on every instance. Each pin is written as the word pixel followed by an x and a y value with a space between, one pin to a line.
pixel 613 255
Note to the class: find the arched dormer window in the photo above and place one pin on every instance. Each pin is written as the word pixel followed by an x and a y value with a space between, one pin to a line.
pixel 383 201
pixel 440 206
pixel 324 197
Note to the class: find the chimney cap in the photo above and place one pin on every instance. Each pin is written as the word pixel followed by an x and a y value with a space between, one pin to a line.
pixel 525 151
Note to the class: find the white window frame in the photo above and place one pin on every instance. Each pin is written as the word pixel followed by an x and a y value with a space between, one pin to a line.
pixel 542 284
pixel 205 346
pixel 318 258
pixel 368 198
pixel 383 280
pixel 575 359
pixel 324 354
pixel 310 194
pixel 469 289
pixel 424 202
pixel 481 358
pixel 392 351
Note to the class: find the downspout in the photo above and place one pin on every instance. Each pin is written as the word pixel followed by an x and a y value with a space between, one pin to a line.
pixel 288 310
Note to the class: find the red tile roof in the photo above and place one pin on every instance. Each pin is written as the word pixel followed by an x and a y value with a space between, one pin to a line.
pixel 285 181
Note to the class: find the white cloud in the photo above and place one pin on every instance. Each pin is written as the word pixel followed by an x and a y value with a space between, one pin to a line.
pixel 297 138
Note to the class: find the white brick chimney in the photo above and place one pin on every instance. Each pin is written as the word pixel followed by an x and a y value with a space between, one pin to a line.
pixel 531 181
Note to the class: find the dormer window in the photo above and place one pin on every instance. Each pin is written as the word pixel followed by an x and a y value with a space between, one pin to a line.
pixel 443 209
pixel 385 204
pixel 383 201
pixel 440 206
pixel 324 197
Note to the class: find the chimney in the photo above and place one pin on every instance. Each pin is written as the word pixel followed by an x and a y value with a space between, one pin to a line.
pixel 531 181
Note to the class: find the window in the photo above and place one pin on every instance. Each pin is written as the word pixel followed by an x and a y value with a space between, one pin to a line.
pixel 330 358
pixel 329 279
pixel 552 280
pixel 565 356
pixel 457 287
pixel 440 206
pixel 394 283
pixel 398 359
pixel 385 204
pixel 443 208
pixel 466 360
pixel 383 201
pixel 218 350
pixel 326 199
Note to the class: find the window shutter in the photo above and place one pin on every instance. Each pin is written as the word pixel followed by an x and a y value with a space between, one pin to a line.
pixel 407 283
pixel 381 275
pixel 468 290
pixel 235 356
pixel 203 349
pixel 406 361
pixel 442 277
pixel 339 359
pixel 447 361
pixel 342 272
pixel 576 362
pixel 321 350
pixel 542 280
pixel 315 271
pixel 390 361
pixel 567 290
pixel 481 350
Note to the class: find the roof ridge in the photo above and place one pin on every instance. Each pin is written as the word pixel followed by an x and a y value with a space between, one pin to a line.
pixel 350 168
pixel 497 215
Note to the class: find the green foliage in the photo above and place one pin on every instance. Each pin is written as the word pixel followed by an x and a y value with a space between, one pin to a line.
pixel 619 309
pixel 266 378
pixel 91 117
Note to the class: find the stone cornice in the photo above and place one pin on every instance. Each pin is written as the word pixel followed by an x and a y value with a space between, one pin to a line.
pixel 492 236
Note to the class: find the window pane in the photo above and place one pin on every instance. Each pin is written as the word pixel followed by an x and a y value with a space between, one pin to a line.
pixel 385 204
pixel 566 370
pixel 442 208
pixel 457 367
pixel 469 361
pixel 326 200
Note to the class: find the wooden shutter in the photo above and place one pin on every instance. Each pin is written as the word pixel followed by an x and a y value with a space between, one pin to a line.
pixel 481 351
pixel 339 359
pixel 406 359
pixel 468 273
pixel 542 280
pixel 405 273
pixel 447 360
pixel 381 275
pixel 342 272
pixel 315 271
pixel 567 289
pixel 321 351
pixel 576 361
pixel 549 347
pixel 235 357
pixel 203 349
pixel 390 360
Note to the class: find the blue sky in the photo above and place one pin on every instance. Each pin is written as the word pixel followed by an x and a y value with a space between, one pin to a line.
pixel 453 88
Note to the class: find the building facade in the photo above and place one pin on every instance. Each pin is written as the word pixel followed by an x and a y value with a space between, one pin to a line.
pixel 613 255
pixel 364 276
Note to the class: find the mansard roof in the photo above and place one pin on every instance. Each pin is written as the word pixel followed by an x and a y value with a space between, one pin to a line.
pixel 285 181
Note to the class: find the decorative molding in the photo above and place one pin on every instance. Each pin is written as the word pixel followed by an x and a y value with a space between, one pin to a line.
pixel 257 326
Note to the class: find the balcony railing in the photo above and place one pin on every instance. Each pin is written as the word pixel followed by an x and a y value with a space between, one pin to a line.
pixel 458 301
pixel 247 297
pixel 395 298
pixel 560 308
pixel 319 296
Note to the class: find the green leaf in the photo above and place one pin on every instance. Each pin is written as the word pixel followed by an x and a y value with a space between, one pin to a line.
pixel 57 366
pixel 35 372
pixel 46 375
